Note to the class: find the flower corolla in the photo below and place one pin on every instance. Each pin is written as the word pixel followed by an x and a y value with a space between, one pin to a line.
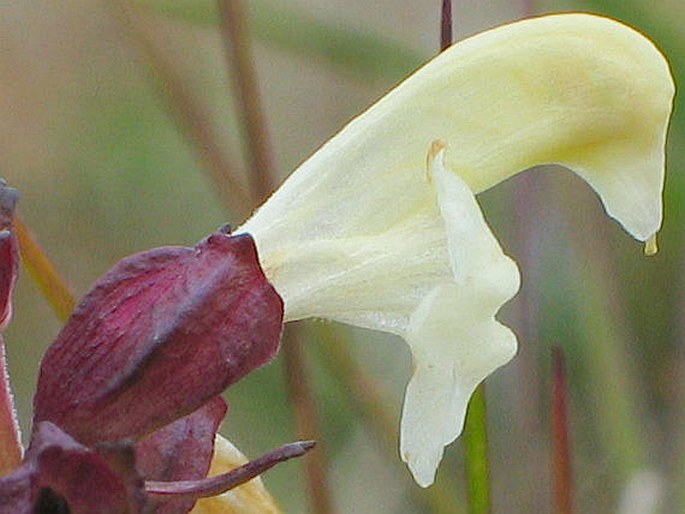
pixel 366 233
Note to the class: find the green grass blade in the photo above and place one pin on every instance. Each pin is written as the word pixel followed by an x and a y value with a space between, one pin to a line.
pixel 476 444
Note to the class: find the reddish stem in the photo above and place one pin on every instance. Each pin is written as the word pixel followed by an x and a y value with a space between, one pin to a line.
pixel 446 37
pixel 10 438
pixel 561 453
pixel 236 39
pixel 302 399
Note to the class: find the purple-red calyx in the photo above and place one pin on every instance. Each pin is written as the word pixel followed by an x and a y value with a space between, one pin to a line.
pixel 9 252
pixel 128 398
pixel 159 336
pixel 10 440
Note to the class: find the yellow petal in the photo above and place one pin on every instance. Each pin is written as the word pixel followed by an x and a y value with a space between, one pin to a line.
pixel 249 498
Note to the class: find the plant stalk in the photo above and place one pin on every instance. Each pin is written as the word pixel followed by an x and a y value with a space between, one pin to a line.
pixel 476 446
pixel 237 43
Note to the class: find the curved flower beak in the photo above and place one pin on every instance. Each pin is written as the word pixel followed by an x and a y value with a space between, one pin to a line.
pixel 360 234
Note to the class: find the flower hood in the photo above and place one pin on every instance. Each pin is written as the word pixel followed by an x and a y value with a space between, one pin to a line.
pixel 365 233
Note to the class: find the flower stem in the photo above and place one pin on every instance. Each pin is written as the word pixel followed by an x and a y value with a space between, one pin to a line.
pixel 53 286
pixel 476 445
pixel 307 418
pixel 446 29
pixel 236 40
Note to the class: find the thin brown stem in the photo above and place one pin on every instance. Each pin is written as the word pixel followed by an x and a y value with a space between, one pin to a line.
pixel 446 25
pixel 241 69
pixel 236 39
pixel 307 419
pixel 191 117
pixel 561 453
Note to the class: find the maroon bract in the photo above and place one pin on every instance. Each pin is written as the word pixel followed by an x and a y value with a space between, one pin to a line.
pixel 158 336
pixel 9 253
pixel 10 440
pixel 127 404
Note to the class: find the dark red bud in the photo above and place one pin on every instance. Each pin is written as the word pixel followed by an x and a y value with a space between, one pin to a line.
pixel 160 335
pixel 10 443
pixel 9 253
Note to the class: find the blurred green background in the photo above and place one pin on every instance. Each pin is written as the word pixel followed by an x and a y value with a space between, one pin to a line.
pixel 89 133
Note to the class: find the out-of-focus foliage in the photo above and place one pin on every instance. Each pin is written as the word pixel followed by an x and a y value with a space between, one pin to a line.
pixel 287 27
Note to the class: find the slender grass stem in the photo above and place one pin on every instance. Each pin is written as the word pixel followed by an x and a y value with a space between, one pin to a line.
pixel 237 44
pixel 306 415
pixel 188 112
pixel 446 29
pixel 561 442
pixel 476 445
pixel 241 68
pixel 50 282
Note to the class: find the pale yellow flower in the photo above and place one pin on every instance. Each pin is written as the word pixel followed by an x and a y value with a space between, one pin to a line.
pixel 363 233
